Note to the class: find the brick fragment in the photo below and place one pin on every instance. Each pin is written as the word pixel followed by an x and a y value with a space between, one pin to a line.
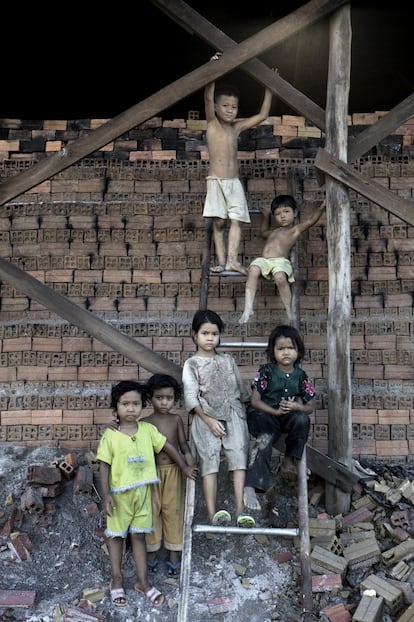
pixel 77 614
pixel 43 475
pixel 54 490
pixel 323 560
pixel 222 604
pixel 9 526
pixel 370 609
pixel 32 501
pixel 18 548
pixel 400 519
pixel 393 597
pixel 83 482
pixel 362 515
pixel 407 615
pixel 337 613
pixel 326 582
pixel 17 598
pixel 67 469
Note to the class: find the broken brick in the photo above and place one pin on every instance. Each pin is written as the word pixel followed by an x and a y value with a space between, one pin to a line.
pixel 9 526
pixel 222 604
pixel 43 475
pixel 54 490
pixel 83 482
pixel 326 582
pixel 337 613
pixel 283 557
pixel 400 519
pixel 17 598
pixel 362 515
pixel 32 501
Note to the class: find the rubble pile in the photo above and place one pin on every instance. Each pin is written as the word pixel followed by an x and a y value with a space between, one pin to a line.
pixel 366 557
pixel 54 565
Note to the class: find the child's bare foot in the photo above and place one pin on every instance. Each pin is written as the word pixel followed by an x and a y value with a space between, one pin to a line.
pixel 250 499
pixel 217 269
pixel 288 468
pixel 245 317
pixel 235 266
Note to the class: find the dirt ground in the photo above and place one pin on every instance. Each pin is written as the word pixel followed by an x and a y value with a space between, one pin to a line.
pixel 232 577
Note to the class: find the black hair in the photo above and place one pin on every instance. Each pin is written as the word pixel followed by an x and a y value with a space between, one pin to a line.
pixel 222 88
pixel 164 381
pixel 283 199
pixel 205 316
pixel 289 332
pixel 124 387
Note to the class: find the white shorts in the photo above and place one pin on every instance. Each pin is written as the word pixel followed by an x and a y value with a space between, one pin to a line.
pixel 226 198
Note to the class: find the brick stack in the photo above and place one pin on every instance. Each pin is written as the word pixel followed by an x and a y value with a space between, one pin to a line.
pixel 121 234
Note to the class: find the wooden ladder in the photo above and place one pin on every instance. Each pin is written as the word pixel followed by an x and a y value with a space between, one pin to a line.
pixel 302 531
pixel 188 528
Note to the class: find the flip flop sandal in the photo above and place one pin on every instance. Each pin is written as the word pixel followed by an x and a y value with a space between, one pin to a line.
pixel 244 520
pixel 118 596
pixel 152 565
pixel 155 597
pixel 221 518
pixel 173 569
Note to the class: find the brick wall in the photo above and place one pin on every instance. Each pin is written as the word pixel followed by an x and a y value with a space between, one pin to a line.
pixel 121 234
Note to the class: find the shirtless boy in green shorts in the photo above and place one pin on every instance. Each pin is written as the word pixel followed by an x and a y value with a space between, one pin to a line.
pixel 274 262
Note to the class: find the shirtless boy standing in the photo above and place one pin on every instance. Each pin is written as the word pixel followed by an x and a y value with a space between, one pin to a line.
pixel 274 262
pixel 225 198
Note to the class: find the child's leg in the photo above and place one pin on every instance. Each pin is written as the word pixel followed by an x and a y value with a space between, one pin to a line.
pixel 115 550
pixel 139 552
pixel 233 250
pixel 285 293
pixel 210 494
pixel 219 226
pixel 239 477
pixel 250 293
pixel 297 426
pixel 266 429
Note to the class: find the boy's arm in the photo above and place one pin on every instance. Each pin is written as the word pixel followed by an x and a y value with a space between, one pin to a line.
pixel 183 444
pixel 306 224
pixel 209 95
pixel 189 471
pixel 256 119
pixel 209 102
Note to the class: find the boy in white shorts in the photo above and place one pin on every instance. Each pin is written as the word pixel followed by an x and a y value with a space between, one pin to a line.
pixel 225 198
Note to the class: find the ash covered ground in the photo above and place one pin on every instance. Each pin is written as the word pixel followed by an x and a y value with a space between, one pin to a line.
pixel 232 578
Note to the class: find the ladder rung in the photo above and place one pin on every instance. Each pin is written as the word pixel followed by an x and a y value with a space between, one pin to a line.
pixel 227 273
pixel 275 531
pixel 243 344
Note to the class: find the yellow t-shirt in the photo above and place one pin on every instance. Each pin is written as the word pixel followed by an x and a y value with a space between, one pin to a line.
pixel 131 458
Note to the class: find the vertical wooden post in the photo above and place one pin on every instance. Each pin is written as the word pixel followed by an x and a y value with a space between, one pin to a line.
pixel 339 258
pixel 205 266
pixel 305 559
pixel 295 304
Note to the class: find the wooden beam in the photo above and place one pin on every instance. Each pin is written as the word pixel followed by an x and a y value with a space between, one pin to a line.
pixel 93 325
pixel 347 175
pixel 166 97
pixel 189 19
pixel 193 22
pixel 325 467
pixel 381 129
pixel 331 470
